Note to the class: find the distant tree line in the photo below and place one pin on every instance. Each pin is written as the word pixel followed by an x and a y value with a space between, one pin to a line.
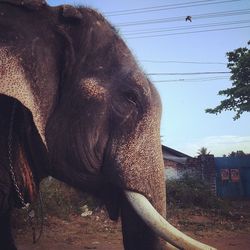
pixel 238 153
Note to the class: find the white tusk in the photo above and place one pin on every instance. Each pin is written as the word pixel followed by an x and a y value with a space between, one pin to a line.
pixel 160 226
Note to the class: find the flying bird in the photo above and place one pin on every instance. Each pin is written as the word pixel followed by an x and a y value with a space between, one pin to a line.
pixel 189 18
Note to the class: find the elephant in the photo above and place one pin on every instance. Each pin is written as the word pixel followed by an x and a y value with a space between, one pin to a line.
pixel 75 105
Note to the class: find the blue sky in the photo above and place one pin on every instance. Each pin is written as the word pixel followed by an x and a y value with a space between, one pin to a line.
pixel 185 125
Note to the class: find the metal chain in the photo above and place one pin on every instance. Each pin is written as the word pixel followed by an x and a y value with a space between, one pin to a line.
pixel 10 156
pixel 26 206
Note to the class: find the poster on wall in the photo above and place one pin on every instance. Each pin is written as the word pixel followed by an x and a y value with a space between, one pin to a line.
pixel 235 175
pixel 224 174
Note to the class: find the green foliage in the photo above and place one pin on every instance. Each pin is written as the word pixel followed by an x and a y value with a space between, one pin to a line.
pixel 238 97
pixel 238 153
pixel 203 151
pixel 58 199
pixel 61 200
pixel 188 192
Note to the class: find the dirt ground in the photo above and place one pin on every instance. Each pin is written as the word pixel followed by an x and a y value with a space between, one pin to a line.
pixel 225 232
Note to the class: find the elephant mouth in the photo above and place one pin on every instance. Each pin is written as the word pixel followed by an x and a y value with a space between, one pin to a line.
pixel 160 226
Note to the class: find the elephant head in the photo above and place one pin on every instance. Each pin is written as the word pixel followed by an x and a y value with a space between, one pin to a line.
pixel 86 114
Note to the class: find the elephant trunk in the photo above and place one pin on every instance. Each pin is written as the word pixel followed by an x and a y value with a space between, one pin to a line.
pixel 138 164
pixel 143 208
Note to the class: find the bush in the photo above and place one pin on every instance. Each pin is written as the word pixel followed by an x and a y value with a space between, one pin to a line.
pixel 189 192
pixel 61 200
pixel 58 199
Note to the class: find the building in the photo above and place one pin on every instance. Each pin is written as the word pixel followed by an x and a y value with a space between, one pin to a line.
pixel 175 162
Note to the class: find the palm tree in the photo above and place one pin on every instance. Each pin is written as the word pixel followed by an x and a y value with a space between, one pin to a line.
pixel 203 151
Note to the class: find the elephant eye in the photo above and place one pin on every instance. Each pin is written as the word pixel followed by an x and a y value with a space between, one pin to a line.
pixel 131 97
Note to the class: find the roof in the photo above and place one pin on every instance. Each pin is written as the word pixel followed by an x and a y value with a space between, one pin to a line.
pixel 170 151
pixel 174 155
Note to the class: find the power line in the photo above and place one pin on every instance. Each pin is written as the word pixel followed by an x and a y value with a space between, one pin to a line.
pixel 182 62
pixel 153 7
pixel 190 80
pixel 189 27
pixel 165 7
pixel 190 32
pixel 188 73
pixel 169 8
pixel 181 18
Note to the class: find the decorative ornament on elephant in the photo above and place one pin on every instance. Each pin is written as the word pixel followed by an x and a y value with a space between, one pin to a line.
pixel 75 105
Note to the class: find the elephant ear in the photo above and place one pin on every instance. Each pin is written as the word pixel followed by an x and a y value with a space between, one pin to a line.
pixel 30 4
pixel 14 82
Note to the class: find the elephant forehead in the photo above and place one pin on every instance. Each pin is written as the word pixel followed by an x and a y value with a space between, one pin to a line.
pixel 14 83
pixel 92 88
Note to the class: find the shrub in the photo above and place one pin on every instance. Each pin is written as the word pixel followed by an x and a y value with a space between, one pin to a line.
pixel 189 192
pixel 58 199
pixel 61 200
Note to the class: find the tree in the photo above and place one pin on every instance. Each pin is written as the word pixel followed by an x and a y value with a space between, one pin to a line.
pixel 238 97
pixel 203 151
pixel 238 153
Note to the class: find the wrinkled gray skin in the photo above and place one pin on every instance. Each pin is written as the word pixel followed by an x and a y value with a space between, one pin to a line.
pixel 85 114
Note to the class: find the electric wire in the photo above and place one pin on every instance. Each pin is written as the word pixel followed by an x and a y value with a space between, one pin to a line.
pixel 165 7
pixel 189 27
pixel 188 73
pixel 190 80
pixel 181 18
pixel 190 32
pixel 181 62
pixel 155 7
